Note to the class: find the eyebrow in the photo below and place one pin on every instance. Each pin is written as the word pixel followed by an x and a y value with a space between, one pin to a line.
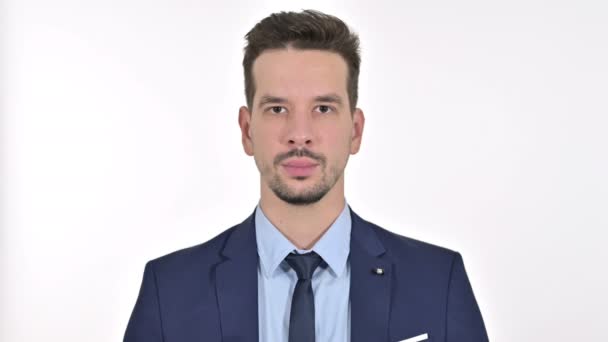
pixel 330 98
pixel 267 99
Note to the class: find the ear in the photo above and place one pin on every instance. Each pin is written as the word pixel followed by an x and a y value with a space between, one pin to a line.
pixel 245 124
pixel 357 133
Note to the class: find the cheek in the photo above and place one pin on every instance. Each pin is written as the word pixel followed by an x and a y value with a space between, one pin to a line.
pixel 264 146
pixel 260 135
pixel 265 132
pixel 339 145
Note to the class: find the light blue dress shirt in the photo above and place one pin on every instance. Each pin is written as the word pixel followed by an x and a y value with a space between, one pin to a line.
pixel 330 281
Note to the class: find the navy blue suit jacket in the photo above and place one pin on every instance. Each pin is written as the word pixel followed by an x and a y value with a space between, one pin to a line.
pixel 208 293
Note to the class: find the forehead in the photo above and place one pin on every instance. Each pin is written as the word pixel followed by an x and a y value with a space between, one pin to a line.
pixel 299 73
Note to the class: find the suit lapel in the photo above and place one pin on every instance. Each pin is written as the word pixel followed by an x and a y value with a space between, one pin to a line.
pixel 236 285
pixel 370 293
pixel 237 290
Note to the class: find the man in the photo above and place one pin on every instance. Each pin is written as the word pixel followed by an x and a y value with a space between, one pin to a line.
pixel 304 266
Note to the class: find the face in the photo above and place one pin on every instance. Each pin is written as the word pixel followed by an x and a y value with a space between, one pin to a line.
pixel 300 129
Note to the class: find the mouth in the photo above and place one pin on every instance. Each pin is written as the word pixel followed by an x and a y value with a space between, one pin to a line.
pixel 300 167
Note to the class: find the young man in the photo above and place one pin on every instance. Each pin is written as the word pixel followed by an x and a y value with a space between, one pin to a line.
pixel 304 266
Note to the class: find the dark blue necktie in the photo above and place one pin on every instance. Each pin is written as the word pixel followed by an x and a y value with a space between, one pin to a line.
pixel 302 317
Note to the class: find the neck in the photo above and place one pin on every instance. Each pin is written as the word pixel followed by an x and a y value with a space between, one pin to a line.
pixel 303 225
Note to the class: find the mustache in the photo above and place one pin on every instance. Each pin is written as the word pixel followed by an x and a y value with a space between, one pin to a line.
pixel 302 152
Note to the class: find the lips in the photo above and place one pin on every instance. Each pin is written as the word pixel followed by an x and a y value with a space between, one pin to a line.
pixel 300 163
pixel 300 167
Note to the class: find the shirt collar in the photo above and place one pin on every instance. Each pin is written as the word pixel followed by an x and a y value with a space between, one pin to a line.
pixel 333 246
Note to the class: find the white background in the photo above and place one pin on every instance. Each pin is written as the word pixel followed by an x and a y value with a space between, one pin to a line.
pixel 486 133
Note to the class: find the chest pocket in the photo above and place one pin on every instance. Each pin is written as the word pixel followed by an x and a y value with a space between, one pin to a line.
pixel 418 338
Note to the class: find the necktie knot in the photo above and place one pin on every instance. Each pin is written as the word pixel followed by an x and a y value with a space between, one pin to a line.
pixel 304 264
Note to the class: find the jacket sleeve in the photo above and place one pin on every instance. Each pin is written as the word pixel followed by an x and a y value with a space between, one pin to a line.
pixel 145 323
pixel 464 321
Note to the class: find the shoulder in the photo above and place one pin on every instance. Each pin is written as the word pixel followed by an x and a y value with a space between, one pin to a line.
pixel 403 249
pixel 418 265
pixel 199 256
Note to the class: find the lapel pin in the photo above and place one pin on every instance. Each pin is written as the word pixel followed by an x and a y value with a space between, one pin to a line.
pixel 378 271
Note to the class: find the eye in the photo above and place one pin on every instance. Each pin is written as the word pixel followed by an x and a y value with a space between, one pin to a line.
pixel 277 109
pixel 324 109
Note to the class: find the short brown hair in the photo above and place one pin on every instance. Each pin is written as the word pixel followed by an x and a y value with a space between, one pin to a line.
pixel 306 30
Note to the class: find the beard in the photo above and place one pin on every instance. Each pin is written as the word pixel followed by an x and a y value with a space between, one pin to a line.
pixel 311 195
pixel 308 196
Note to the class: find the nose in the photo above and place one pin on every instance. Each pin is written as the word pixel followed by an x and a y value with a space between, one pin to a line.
pixel 299 130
